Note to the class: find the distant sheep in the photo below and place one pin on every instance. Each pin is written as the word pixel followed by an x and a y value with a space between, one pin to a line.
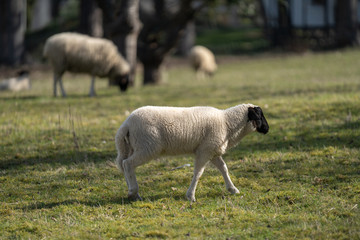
pixel 80 53
pixel 207 132
pixel 203 61
pixel 19 83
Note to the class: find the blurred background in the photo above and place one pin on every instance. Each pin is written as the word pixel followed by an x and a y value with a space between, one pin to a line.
pixel 146 32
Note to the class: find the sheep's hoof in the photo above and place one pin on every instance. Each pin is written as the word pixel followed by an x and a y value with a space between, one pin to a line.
pixel 135 197
pixel 191 198
pixel 234 190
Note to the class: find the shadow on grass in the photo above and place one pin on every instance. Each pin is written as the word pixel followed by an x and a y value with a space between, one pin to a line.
pixel 253 93
pixel 101 95
pixel 310 139
pixel 95 203
pixel 343 89
pixel 61 158
pixel 101 202
pixel 30 97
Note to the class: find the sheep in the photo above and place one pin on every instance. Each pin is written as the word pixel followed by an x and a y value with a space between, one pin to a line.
pixel 19 83
pixel 203 61
pixel 207 132
pixel 80 53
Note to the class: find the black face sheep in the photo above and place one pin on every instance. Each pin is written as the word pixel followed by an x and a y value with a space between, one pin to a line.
pixel 207 132
pixel 80 53
pixel 203 61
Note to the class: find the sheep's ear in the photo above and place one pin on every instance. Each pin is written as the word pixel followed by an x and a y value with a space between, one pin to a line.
pixel 253 115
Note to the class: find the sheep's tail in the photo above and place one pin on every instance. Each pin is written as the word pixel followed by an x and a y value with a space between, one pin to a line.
pixel 123 146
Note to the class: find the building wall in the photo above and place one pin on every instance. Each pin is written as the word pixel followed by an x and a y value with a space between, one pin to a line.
pixel 304 13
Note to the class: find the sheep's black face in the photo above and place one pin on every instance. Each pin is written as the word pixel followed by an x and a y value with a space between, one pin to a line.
pixel 122 81
pixel 256 115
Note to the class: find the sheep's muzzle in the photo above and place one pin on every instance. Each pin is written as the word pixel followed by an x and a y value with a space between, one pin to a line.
pixel 123 82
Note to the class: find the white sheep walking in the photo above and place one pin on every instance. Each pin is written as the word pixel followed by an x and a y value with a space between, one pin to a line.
pixel 207 132
pixel 80 53
pixel 203 61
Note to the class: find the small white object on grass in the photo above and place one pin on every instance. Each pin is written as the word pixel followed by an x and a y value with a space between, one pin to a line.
pixel 183 166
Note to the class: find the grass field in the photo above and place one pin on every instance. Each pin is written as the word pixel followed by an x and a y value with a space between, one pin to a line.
pixel 246 40
pixel 301 180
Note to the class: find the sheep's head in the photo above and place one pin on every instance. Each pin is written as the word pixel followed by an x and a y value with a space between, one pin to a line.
pixel 256 116
pixel 210 73
pixel 121 80
pixel 211 69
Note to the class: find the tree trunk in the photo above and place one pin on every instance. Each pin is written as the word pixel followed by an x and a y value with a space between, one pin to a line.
pixel 126 37
pixel 346 29
pixel 55 8
pixel 283 35
pixel 187 41
pixel 12 31
pixel 41 15
pixel 266 28
pixel 90 18
pixel 160 34
pixel 123 27
pixel 152 73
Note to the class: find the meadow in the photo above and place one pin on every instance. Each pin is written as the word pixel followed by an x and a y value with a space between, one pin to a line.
pixel 299 181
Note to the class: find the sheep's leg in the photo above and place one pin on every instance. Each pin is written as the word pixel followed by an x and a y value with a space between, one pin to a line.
pixel 55 84
pixel 199 167
pixel 129 166
pixel 221 165
pixel 130 177
pixel 92 87
pixel 119 163
pixel 58 78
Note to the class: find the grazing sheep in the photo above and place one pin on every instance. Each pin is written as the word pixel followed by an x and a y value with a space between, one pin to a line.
pixel 19 83
pixel 203 61
pixel 207 132
pixel 79 53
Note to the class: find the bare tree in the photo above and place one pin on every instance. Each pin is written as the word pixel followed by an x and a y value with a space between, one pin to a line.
pixel 161 32
pixel 90 18
pixel 12 31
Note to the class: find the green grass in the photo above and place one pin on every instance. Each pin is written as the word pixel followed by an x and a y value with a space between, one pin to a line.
pixel 301 180
pixel 230 41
